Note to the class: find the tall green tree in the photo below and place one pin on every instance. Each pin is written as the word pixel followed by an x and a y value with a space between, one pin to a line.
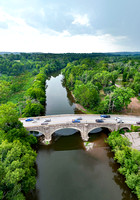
pixel 117 100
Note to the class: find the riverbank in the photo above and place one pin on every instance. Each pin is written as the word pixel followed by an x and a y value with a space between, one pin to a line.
pixel 78 106
pixel 134 138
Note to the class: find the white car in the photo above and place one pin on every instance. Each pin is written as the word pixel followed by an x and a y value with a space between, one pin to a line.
pixel 34 121
pixel 119 120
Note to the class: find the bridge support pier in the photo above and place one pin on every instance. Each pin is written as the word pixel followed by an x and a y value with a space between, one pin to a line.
pixel 84 133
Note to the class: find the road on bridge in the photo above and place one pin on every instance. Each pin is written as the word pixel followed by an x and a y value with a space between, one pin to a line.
pixel 86 118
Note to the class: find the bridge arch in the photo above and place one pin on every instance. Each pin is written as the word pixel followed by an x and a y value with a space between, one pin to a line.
pixel 66 128
pixel 102 127
pixel 60 128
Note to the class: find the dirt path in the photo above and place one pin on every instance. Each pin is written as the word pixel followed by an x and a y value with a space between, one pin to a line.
pixel 133 107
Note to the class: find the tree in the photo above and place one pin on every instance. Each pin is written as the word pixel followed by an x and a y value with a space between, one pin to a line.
pixel 33 108
pixel 9 117
pixel 86 94
pixel 117 100
pixel 17 174
pixel 114 76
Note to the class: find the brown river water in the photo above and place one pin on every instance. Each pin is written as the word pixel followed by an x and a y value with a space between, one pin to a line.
pixel 65 169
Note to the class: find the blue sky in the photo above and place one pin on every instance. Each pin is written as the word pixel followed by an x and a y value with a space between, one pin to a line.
pixel 80 26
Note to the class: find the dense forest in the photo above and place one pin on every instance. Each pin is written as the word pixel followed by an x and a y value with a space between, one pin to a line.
pixel 102 83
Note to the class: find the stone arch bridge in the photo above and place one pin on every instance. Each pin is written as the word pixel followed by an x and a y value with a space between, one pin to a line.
pixel 84 128
pixel 86 125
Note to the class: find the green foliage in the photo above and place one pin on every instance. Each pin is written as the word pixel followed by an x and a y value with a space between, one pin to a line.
pixel 136 83
pixel 33 108
pixel 116 141
pixel 9 117
pixel 86 94
pixel 103 72
pixel 129 160
pixel 117 100
pixel 135 128
pixel 18 174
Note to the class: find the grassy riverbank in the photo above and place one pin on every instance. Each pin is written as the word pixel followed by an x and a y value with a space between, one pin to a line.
pixel 129 160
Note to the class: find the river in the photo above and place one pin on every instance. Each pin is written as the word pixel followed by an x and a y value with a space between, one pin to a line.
pixel 60 101
pixel 65 170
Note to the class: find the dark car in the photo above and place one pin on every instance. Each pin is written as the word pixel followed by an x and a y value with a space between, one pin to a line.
pixel 138 122
pixel 79 118
pixel 47 120
pixel 105 116
pixel 44 123
pixel 29 119
pixel 99 120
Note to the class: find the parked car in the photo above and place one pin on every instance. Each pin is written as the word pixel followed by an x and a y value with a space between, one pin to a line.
pixel 29 119
pixel 75 121
pixel 99 120
pixel 105 116
pixel 79 118
pixel 138 122
pixel 44 123
pixel 47 120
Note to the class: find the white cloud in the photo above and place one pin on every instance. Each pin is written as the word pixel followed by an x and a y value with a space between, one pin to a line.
pixel 21 37
pixel 81 19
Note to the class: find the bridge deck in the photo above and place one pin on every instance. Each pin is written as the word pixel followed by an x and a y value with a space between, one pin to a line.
pixel 86 118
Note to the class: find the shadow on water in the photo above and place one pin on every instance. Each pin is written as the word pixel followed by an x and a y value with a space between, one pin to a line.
pixel 66 139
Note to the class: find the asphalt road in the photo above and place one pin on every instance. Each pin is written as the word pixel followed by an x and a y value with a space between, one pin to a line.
pixel 86 118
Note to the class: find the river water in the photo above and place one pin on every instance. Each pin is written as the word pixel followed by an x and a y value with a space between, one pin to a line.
pixel 59 99
pixel 65 170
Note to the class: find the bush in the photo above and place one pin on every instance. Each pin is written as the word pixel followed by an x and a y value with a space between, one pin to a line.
pixel 128 158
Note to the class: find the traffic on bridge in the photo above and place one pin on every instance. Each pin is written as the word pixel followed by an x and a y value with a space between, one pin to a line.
pixel 82 118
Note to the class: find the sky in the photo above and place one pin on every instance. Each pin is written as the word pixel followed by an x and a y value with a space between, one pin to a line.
pixel 69 26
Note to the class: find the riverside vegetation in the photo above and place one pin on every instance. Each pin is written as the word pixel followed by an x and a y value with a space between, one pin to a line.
pixel 93 79
pixel 128 158
pixel 104 84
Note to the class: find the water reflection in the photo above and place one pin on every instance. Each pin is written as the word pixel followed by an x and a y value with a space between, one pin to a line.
pixel 59 99
pixel 67 171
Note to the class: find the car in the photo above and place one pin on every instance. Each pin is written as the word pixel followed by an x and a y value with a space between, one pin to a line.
pixel 119 121
pixel 37 118
pixel 34 121
pixel 29 119
pixel 47 120
pixel 44 123
pixel 116 118
pixel 75 121
pixel 99 120
pixel 138 122
pixel 105 116
pixel 79 118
